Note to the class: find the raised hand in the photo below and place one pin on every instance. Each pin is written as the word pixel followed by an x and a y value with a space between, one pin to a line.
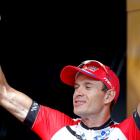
pixel 3 82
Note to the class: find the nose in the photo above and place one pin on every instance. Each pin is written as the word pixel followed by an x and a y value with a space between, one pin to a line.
pixel 78 91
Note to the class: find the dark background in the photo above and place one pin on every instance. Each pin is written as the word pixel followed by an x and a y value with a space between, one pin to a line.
pixel 39 38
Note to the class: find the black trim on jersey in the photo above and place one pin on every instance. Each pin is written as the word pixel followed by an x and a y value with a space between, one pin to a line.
pixel 30 118
pixel 137 119
pixel 74 133
pixel 106 124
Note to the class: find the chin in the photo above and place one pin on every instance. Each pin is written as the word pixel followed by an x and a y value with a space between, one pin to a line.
pixel 79 112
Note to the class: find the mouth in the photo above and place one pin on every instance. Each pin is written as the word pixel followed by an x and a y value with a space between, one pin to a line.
pixel 78 103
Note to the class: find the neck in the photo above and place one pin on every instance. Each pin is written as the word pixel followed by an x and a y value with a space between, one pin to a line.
pixel 96 120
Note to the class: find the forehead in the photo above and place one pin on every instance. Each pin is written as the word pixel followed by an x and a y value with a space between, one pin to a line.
pixel 80 78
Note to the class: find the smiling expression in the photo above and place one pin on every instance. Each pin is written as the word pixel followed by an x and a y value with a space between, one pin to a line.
pixel 88 98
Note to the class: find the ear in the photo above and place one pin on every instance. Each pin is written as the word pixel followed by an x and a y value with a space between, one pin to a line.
pixel 109 96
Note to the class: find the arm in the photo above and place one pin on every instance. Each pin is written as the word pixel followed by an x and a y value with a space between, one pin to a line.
pixel 14 101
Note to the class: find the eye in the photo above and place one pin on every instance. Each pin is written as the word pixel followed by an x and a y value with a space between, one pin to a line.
pixel 76 86
pixel 88 87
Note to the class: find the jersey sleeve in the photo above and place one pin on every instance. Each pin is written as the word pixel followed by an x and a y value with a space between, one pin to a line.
pixel 131 127
pixel 46 121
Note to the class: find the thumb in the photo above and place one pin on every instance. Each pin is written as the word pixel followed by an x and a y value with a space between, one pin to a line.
pixel 2 77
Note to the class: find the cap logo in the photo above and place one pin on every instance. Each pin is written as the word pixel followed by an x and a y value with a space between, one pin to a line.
pixel 88 72
pixel 108 82
pixel 92 68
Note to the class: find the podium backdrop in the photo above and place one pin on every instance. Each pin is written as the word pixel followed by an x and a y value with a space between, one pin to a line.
pixel 133 54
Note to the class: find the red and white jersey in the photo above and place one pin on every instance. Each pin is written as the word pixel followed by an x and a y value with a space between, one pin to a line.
pixel 51 124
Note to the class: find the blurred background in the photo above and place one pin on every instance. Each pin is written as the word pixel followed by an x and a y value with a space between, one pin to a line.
pixel 39 38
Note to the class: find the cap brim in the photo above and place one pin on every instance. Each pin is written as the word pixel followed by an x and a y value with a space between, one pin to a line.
pixel 69 72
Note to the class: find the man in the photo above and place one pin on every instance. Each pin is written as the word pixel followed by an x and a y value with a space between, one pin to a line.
pixel 96 90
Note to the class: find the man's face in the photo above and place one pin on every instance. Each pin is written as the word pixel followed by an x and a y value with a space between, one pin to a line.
pixel 88 98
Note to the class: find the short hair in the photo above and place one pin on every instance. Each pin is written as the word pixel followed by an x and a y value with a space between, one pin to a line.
pixel 105 89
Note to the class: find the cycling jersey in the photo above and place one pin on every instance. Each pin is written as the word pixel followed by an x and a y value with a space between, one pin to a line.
pixel 51 124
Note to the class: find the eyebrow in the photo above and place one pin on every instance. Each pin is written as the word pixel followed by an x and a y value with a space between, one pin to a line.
pixel 86 83
pixel 89 83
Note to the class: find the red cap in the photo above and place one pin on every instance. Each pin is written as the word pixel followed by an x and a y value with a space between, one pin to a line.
pixel 95 70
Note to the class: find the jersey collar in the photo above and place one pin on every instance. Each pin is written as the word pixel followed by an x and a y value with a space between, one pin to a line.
pixel 106 124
